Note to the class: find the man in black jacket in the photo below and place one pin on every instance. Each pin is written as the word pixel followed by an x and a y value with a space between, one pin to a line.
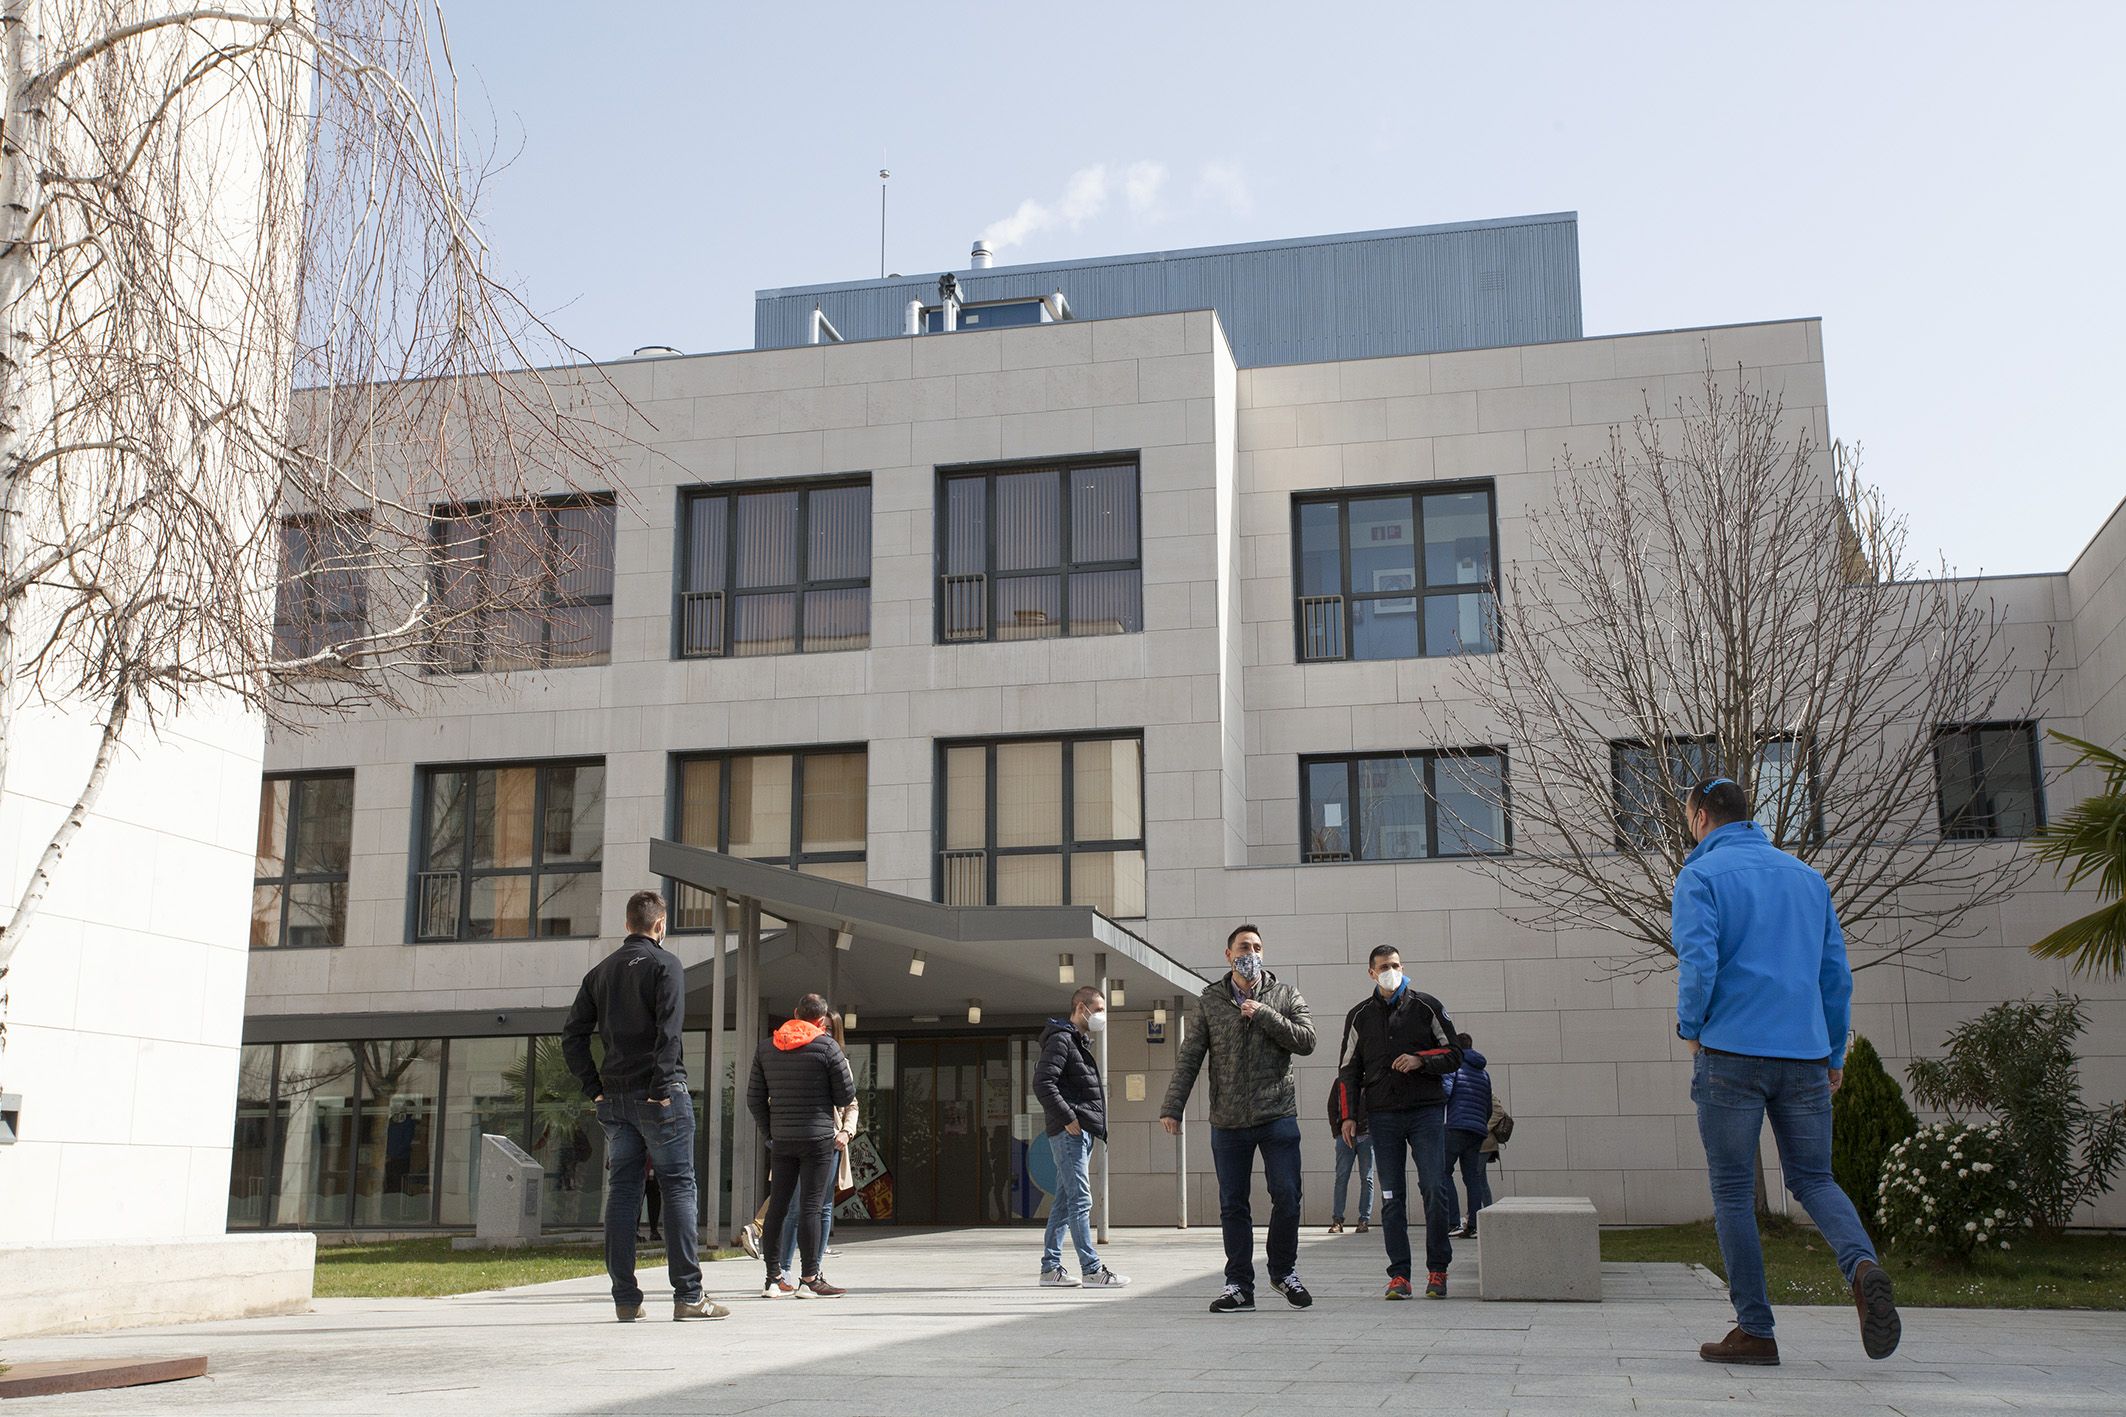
pixel 1398 1045
pixel 1074 1100
pixel 635 999
pixel 800 1081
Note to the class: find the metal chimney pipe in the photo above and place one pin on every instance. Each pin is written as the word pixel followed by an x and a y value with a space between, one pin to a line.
pixel 981 258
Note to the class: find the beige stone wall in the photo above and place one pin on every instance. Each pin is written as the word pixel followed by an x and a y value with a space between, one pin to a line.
pixel 1588 1064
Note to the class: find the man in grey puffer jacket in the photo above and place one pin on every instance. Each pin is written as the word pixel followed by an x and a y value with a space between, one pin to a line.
pixel 1250 1025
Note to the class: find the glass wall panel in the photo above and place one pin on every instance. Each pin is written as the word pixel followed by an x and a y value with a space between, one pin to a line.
pixel 317 914
pixel 1468 791
pixel 1029 794
pixel 1029 527
pixel 760 805
pixel 966 526
pixel 1321 570
pixel 395 1175
pixel 1029 607
pixel 502 817
pixel 1107 791
pixel 484 1093
pixel 1106 602
pixel 1458 539
pixel 840 534
pixel 1111 882
pixel 274 794
pixel 837 619
pixel 1384 629
pixel 1383 545
pixel 575 813
pixel 1458 624
pixel 568 1141
pixel 707 542
pixel 767 539
pixel 765 624
pixel 314 1118
pixel 966 800
pixel 1372 570
pixel 835 795
pixel 1103 515
pixel 1391 809
pixel 1329 818
pixel 1030 880
pixel 569 904
pixel 251 1158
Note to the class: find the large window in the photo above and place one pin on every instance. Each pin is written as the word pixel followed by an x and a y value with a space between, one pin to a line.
pixel 1032 553
pixel 1990 782
pixel 299 885
pixel 322 598
pixel 509 852
pixel 1395 573
pixel 526 586
pixel 1043 821
pixel 1650 781
pixel 1403 806
pixel 775 570
pixel 806 810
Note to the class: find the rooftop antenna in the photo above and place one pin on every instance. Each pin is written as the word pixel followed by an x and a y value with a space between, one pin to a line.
pixel 883 174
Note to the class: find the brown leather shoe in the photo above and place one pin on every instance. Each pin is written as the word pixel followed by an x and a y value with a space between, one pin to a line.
pixel 1876 1298
pixel 1740 1347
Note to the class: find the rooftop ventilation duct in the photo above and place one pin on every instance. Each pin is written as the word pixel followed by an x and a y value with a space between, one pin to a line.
pixel 981 258
pixel 646 351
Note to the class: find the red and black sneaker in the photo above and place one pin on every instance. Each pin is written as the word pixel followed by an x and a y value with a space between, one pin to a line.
pixel 1436 1284
pixel 817 1288
pixel 1398 1288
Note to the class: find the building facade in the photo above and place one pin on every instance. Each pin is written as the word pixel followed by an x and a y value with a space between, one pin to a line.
pixel 1052 611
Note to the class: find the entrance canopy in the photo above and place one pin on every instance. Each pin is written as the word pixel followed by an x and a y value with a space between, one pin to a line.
pixel 1006 956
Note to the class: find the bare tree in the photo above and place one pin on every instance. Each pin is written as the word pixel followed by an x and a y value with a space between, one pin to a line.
pixel 271 431
pixel 1719 596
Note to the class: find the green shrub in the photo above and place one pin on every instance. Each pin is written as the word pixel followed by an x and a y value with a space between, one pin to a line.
pixel 1868 1117
pixel 1946 1191
pixel 2016 1063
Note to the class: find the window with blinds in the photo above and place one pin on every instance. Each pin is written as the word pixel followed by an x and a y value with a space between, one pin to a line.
pixel 1043 821
pixel 1029 553
pixel 524 586
pixel 1394 573
pixel 775 570
pixel 322 598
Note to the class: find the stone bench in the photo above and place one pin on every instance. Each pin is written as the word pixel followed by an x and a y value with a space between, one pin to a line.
pixel 1541 1247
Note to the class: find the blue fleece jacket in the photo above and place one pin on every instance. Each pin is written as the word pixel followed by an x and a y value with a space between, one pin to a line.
pixel 1760 961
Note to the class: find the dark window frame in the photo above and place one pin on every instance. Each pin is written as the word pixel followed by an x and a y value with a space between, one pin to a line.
pixel 291 843
pixel 1069 846
pixel 300 600
pixel 1431 758
pixel 1341 498
pixel 467 873
pixel 675 811
pixel 477 656
pixel 988 473
pixel 1943 733
pixel 730 591
pixel 1813 834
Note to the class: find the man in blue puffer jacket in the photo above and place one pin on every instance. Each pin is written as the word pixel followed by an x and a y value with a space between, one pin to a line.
pixel 1468 1120
pixel 1763 997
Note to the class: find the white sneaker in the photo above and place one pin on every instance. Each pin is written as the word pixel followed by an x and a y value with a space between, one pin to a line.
pixel 779 1287
pixel 1058 1279
pixel 1105 1278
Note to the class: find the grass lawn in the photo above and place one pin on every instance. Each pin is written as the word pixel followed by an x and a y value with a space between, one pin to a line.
pixel 428 1267
pixel 2074 1272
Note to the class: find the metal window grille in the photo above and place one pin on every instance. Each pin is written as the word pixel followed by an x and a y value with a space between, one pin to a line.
pixel 966 602
pixel 1321 627
pixel 701 623
pixel 966 877
pixel 439 897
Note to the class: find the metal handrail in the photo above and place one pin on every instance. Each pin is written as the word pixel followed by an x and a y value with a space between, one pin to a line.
pixel 1321 628
pixel 701 624
pixel 964 600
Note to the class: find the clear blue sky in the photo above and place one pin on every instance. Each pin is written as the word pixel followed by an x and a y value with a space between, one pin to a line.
pixel 1941 183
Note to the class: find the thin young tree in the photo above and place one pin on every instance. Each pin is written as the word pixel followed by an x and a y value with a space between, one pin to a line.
pixel 270 434
pixel 1718 595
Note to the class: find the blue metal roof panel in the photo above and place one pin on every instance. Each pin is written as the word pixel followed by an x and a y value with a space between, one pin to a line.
pixel 1413 290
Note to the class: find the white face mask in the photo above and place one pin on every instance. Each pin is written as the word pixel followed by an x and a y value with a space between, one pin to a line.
pixel 1097 1023
pixel 1389 980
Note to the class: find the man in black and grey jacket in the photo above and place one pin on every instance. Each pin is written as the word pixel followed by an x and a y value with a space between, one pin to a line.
pixel 800 1083
pixel 635 999
pixel 1398 1049
pixel 1073 1098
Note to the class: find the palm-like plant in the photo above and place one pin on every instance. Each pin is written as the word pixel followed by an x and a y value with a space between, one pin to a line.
pixel 2090 840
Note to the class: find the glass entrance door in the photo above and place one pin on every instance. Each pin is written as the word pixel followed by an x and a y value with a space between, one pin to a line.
pixel 963 1108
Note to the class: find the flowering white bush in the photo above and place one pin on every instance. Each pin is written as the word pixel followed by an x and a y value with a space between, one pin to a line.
pixel 1947 1191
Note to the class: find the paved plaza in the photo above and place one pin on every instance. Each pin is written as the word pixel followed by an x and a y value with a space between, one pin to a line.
pixel 953 1323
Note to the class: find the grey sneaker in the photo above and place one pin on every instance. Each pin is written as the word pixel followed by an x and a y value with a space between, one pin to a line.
pixel 702 1308
pixel 1105 1278
pixel 749 1239
pixel 1057 1279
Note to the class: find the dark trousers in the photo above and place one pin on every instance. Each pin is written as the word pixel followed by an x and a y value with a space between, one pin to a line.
pixel 1420 1135
pixel 803 1171
pixel 1465 1153
pixel 1233 1152
pixel 635 1128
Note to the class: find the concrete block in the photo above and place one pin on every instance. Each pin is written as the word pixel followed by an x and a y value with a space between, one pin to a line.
pixel 70 1288
pixel 1544 1248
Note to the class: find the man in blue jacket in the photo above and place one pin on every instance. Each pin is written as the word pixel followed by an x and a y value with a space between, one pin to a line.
pixel 1763 995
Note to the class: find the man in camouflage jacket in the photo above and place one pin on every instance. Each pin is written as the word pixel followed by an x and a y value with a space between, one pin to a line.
pixel 1250 1025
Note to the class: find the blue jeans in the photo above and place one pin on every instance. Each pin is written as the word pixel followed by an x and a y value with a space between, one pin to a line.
pixel 1465 1152
pixel 636 1127
pixel 826 1225
pixel 1360 1156
pixel 1072 1207
pixel 1421 1134
pixel 1233 1152
pixel 1734 1096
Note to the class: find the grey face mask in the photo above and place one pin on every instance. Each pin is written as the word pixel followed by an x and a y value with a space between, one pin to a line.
pixel 1248 966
